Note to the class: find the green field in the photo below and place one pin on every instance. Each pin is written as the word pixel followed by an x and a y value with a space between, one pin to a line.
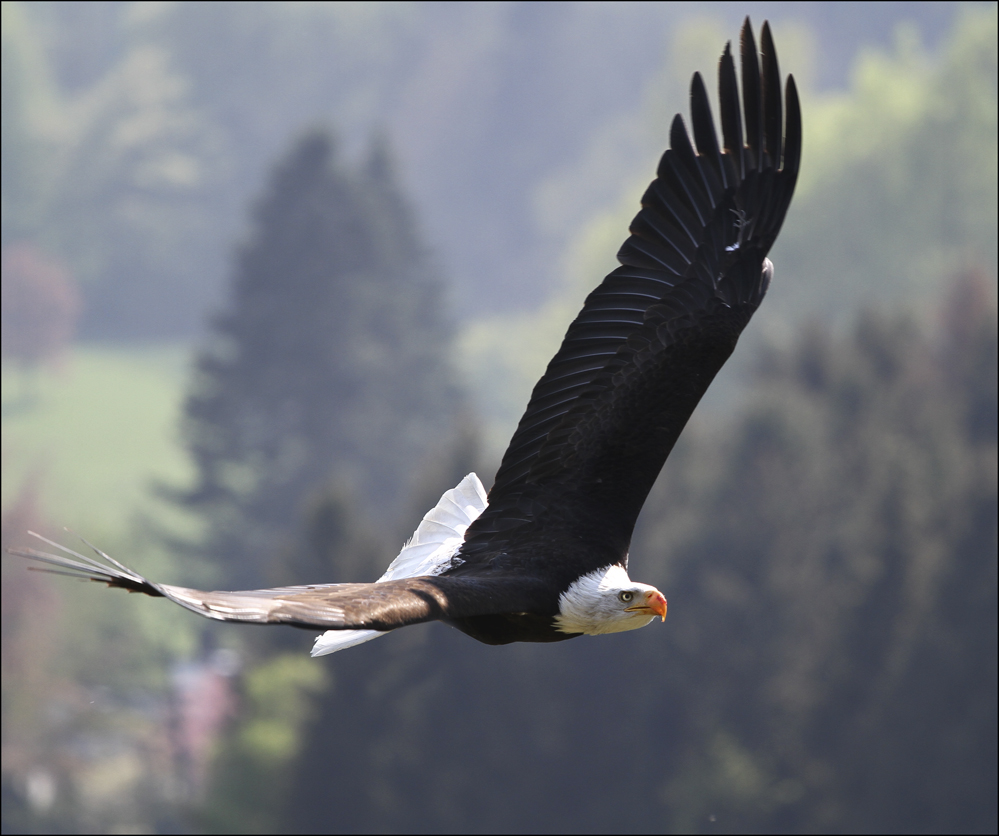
pixel 93 436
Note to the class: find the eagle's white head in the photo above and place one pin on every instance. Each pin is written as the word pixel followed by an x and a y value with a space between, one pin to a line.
pixel 608 601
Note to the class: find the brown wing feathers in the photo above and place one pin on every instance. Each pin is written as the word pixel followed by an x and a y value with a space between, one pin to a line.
pixel 370 606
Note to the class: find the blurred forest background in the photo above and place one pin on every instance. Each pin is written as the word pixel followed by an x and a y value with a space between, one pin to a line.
pixel 276 275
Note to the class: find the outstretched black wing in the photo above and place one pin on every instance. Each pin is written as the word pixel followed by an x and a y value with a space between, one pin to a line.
pixel 368 606
pixel 652 336
pixel 614 399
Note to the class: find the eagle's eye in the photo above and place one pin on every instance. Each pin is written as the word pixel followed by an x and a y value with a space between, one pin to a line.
pixel 626 596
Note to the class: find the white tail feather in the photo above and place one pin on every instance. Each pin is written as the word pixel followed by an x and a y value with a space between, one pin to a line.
pixel 429 552
pixel 333 640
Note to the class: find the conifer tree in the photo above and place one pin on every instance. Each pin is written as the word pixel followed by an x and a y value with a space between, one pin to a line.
pixel 330 364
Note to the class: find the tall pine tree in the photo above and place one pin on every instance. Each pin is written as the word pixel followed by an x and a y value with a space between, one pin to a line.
pixel 330 365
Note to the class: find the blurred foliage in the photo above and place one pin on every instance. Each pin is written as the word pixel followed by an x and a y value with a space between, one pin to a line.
pixel 40 307
pixel 112 179
pixel 331 363
pixel 842 556
pixel 129 209
pixel 30 125
pixel 102 427
pixel 251 768
pixel 899 176
pixel 84 710
pixel 135 133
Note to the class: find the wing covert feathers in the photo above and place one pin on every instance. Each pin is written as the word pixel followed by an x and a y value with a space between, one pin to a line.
pixel 651 337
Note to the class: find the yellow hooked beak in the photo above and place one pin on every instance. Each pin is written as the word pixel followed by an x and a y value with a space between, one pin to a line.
pixel 654 604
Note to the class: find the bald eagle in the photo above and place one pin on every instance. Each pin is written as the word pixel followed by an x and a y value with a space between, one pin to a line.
pixel 544 557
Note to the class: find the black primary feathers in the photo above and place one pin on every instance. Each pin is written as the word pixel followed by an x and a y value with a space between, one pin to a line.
pixel 613 401
pixel 652 336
